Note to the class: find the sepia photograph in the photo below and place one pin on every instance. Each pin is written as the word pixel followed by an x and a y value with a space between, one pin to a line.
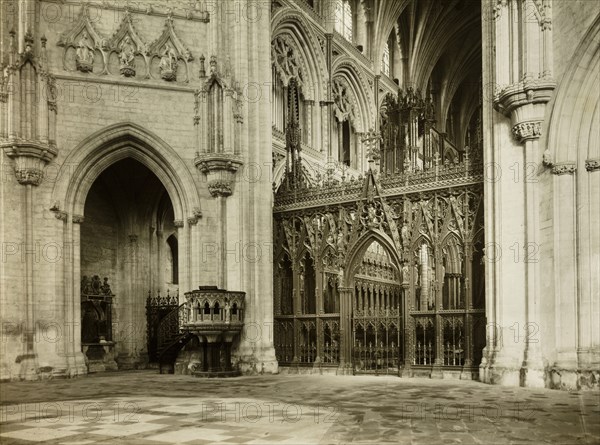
pixel 299 222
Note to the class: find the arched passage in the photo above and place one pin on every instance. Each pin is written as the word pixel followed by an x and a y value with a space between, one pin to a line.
pixel 164 203
pixel 373 286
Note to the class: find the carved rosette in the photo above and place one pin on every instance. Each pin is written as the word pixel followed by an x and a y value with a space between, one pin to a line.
pixel 564 168
pixel 220 170
pixel 527 130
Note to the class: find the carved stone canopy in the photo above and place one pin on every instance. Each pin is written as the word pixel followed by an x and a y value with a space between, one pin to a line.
pixel 170 50
pixel 127 43
pixel 85 40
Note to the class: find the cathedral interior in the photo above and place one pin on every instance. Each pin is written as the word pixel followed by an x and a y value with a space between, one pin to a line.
pixel 337 194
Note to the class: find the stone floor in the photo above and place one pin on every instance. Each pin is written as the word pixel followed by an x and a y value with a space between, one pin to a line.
pixel 143 407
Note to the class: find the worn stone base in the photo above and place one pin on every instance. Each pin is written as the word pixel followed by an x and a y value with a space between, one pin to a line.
pixel 256 361
pixel 188 359
pixel 316 370
pixel 574 380
pixel 130 362
pixel 532 378
pixel 216 374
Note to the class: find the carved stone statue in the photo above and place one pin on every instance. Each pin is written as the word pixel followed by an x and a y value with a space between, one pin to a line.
pixel 404 234
pixel 405 273
pixel 168 63
pixel 416 272
pixel 105 288
pixel 227 311
pixel 84 59
pixel 126 57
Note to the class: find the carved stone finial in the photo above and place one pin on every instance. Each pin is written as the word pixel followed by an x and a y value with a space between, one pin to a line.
pixel 202 68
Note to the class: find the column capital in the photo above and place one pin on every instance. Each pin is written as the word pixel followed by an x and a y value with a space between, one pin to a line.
pixel 592 165
pixel 220 188
pixel 60 215
pixel 563 168
pixel 78 219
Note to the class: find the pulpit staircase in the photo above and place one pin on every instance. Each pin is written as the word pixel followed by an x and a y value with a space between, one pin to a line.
pixel 172 337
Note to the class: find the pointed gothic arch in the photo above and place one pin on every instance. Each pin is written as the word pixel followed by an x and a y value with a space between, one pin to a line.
pixel 105 147
pixel 357 251
pixel 290 24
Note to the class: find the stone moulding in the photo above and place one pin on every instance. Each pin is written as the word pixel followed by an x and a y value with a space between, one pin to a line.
pixel 511 97
pixel 142 7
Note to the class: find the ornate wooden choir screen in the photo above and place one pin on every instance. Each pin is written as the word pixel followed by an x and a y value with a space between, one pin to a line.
pixel 382 273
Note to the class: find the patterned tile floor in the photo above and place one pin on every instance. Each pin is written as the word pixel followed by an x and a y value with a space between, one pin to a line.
pixel 143 407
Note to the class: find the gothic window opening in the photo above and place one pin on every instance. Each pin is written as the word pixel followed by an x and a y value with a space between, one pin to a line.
pixel 385 61
pixel 215 118
pixel 478 273
pixel 346 143
pixel 331 303
pixel 285 286
pixel 173 246
pixel 452 275
pixel 343 22
pixel 308 286
pixel 278 103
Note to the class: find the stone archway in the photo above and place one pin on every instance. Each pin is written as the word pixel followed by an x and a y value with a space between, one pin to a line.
pixel 86 163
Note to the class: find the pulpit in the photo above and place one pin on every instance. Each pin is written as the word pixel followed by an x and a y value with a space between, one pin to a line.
pixel 215 317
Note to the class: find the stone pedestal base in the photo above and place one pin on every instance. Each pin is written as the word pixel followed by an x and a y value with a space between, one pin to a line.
pixel 76 365
pixel 100 357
